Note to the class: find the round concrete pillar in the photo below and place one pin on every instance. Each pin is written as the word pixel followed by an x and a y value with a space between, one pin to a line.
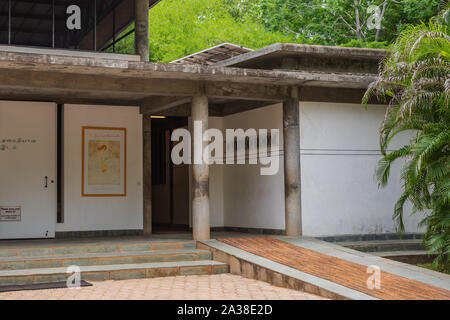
pixel 200 172
pixel 141 32
pixel 292 182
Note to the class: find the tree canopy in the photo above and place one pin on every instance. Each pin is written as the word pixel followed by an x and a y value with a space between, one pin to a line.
pixel 337 22
pixel 182 27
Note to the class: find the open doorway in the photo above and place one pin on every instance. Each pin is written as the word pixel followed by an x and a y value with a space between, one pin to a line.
pixel 170 183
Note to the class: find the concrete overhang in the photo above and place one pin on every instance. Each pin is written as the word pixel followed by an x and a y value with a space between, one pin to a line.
pixel 66 64
pixel 103 79
pixel 279 51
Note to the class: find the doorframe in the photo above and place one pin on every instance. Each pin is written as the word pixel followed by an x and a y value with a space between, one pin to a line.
pixel 170 124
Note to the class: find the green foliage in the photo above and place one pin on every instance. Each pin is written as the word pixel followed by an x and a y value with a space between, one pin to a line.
pixel 182 27
pixel 362 44
pixel 336 22
pixel 179 28
pixel 431 267
pixel 416 80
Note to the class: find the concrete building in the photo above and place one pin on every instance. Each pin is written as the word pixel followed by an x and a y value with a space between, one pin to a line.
pixel 63 98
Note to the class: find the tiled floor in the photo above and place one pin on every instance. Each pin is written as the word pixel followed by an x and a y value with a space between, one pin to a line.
pixel 214 287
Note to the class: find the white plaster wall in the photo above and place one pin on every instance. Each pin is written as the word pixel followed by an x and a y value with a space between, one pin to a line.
pixel 339 153
pixel 252 200
pixel 96 213
pixel 216 184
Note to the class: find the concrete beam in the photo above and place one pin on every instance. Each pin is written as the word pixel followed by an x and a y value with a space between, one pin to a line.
pixel 245 91
pixel 157 104
pixel 142 29
pixel 147 174
pixel 292 181
pixel 233 107
pixel 200 173
pixel 335 95
pixel 95 86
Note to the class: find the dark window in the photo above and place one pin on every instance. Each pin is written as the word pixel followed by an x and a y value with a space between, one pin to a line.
pixel 31 23
pixel 4 21
pixel 82 38
pixel 67 24
pixel 159 149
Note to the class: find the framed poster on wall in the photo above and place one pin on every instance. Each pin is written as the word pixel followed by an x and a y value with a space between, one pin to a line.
pixel 104 162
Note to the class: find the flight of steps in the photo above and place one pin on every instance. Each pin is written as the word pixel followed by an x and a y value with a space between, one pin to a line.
pixel 407 251
pixel 37 264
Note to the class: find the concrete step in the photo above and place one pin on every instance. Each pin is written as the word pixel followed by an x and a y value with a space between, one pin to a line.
pixel 108 258
pixel 410 257
pixel 113 272
pixel 384 245
pixel 58 247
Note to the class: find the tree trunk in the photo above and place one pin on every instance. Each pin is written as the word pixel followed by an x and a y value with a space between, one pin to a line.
pixel 357 22
pixel 377 35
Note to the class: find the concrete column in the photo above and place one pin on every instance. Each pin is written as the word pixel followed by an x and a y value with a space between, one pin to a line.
pixel 292 182
pixel 147 174
pixel 141 29
pixel 200 172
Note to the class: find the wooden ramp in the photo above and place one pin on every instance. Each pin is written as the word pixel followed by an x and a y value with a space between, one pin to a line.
pixel 346 273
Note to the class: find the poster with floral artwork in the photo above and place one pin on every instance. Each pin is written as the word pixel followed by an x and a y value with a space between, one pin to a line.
pixel 104 162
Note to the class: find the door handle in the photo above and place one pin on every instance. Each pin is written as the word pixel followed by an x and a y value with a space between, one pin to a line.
pixel 46 182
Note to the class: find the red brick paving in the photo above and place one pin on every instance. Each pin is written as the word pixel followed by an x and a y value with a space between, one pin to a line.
pixel 343 272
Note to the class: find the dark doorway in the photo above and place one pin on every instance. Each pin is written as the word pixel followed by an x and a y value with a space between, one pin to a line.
pixel 170 183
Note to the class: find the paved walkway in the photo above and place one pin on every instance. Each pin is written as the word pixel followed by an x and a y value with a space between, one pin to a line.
pixel 214 287
pixel 331 263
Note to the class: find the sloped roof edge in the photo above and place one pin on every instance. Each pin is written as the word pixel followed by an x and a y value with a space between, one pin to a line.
pixel 210 56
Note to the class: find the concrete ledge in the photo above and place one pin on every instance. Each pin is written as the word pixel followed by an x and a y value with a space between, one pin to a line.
pixel 97 233
pixel 249 230
pixel 409 257
pixel 71 53
pixel 255 267
pixel 384 245
pixel 33 248
pixel 370 237
pixel 112 272
pixel 108 258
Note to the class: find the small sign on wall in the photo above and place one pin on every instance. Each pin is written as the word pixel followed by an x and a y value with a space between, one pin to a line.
pixel 10 213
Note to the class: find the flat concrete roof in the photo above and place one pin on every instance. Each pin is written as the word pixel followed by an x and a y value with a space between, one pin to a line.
pixel 105 65
pixel 66 76
pixel 280 50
